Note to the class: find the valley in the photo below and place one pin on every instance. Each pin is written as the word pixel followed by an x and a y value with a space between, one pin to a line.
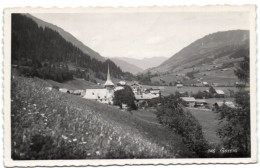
pixel 69 102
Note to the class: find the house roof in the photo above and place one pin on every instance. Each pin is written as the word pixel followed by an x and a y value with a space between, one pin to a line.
pixel 220 92
pixel 229 104
pixel 147 96
pixel 119 88
pixel 188 99
pixel 122 82
pixel 201 101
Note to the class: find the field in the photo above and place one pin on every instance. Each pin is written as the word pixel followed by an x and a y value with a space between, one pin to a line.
pixel 167 90
pixel 209 123
pixel 53 125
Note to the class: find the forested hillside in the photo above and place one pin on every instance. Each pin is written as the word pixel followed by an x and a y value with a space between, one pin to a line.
pixel 43 52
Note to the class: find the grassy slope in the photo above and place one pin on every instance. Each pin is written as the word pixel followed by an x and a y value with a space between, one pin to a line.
pixel 209 123
pixel 79 128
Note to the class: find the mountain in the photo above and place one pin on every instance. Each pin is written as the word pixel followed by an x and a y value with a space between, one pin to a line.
pixel 45 53
pixel 127 67
pixel 207 50
pixel 68 37
pixel 144 63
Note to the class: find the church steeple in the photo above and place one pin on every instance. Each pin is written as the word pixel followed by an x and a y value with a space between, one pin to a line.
pixel 108 83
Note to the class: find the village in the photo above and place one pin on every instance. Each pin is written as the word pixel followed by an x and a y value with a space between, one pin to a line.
pixel 106 99
pixel 211 98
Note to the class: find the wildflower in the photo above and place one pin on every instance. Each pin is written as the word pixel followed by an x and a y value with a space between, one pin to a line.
pixel 34 105
pixel 42 115
pixel 24 108
pixel 84 142
pixel 97 153
pixel 74 140
pixel 88 154
pixel 70 141
pixel 64 137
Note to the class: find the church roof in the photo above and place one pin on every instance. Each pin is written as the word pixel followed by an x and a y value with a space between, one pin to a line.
pixel 108 82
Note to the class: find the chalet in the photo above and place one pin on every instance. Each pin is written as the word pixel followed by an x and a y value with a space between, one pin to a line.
pixel 205 84
pixel 240 84
pixel 200 103
pixel 121 83
pixel 227 103
pixel 102 95
pixel 214 84
pixel 142 99
pixel 179 85
pixel 220 93
pixel 136 88
pixel 189 101
pixel 155 92
pixel 63 90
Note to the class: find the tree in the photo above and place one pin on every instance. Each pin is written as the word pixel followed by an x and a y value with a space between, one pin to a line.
pixel 242 72
pixel 179 120
pixel 212 90
pixel 235 130
pixel 125 96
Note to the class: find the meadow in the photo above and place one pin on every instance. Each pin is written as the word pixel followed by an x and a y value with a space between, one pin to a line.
pixel 209 123
pixel 167 90
pixel 48 124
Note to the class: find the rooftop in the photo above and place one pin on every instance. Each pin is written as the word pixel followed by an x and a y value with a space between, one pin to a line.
pixel 188 99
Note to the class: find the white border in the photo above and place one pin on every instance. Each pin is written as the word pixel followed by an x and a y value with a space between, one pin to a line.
pixel 7 29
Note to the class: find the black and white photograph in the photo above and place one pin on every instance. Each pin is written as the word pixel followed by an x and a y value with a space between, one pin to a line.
pixel 130 84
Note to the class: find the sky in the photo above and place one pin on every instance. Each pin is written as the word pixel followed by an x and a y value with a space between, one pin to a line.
pixel 144 35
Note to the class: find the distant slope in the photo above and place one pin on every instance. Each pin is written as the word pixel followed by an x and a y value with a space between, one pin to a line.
pixel 144 63
pixel 127 67
pixel 45 53
pixel 207 50
pixel 67 36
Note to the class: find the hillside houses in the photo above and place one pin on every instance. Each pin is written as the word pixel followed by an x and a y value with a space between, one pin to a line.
pixel 229 104
pixel 189 101
pixel 220 93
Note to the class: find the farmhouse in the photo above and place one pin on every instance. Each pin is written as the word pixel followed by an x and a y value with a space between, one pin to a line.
pixel 205 84
pixel 155 92
pixel 179 85
pixel 102 95
pixel 136 88
pixel 240 84
pixel 220 93
pixel 227 103
pixel 200 102
pixel 121 83
pixel 142 99
pixel 189 101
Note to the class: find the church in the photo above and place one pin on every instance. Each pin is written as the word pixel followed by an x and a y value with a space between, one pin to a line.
pixel 102 95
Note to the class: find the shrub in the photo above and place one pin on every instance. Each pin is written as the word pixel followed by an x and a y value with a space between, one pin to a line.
pixel 172 115
pixel 125 96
